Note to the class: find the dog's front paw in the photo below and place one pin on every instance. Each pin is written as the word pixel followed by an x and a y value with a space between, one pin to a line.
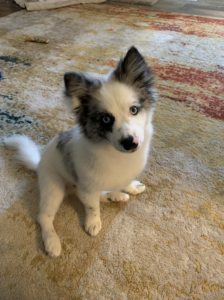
pixel 52 244
pixel 135 188
pixel 93 225
pixel 114 197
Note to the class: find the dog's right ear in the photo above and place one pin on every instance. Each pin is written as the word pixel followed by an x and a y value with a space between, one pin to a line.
pixel 79 87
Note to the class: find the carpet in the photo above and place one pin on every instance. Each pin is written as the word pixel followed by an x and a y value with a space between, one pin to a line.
pixel 167 243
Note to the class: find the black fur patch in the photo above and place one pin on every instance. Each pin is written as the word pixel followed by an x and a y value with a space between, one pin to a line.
pixel 62 146
pixel 134 71
pixel 89 115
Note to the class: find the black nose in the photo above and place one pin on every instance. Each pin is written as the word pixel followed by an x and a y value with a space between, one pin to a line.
pixel 128 144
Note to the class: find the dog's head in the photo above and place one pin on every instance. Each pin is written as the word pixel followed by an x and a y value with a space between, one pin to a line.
pixel 117 109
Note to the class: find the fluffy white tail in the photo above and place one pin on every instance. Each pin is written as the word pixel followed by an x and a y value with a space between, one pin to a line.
pixel 27 152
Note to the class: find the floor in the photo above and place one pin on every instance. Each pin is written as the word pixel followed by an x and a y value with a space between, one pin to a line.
pixel 8 7
pixel 212 8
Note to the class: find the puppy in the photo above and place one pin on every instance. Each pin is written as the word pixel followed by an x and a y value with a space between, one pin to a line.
pixel 104 153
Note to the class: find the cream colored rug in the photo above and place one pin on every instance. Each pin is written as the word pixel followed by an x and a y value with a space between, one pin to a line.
pixel 167 243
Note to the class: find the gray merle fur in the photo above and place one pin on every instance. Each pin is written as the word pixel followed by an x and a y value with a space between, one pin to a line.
pixel 134 71
pixel 63 139
pixel 63 148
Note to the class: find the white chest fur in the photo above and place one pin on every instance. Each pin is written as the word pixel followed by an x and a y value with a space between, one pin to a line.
pixel 105 168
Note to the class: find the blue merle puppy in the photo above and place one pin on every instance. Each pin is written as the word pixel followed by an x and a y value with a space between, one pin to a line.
pixel 104 153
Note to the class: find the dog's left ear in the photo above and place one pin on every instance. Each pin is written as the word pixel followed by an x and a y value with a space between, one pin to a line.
pixel 79 87
pixel 134 71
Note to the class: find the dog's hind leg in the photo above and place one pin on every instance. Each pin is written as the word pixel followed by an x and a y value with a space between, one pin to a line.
pixel 52 188
pixel 114 197
pixel 135 188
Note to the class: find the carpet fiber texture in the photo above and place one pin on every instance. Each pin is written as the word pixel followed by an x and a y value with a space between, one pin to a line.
pixel 167 243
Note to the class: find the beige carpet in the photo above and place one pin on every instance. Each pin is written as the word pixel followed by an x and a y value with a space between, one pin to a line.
pixel 167 243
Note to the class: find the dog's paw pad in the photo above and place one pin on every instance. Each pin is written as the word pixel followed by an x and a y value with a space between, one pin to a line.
pixel 93 226
pixel 53 245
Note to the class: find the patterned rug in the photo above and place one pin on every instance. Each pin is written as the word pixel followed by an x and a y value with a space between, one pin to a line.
pixel 167 243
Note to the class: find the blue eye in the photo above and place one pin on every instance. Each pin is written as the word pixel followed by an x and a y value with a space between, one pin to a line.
pixel 106 119
pixel 134 110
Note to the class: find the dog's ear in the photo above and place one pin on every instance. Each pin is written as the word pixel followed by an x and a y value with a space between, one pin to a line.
pixel 134 71
pixel 78 87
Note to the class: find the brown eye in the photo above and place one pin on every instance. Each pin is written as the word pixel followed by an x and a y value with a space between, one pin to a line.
pixel 134 110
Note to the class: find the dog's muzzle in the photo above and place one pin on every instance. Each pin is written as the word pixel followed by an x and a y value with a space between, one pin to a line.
pixel 129 143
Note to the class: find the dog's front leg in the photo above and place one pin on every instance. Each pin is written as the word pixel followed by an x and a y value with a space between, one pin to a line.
pixel 91 202
pixel 52 188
